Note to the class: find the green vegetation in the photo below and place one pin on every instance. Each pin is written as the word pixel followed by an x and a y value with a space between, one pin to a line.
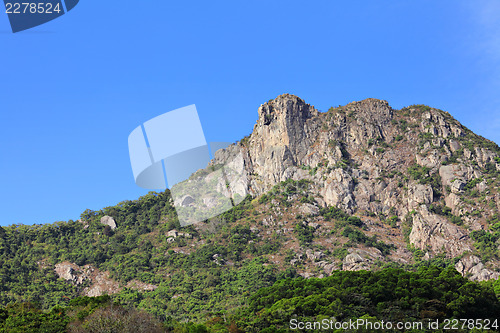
pixel 357 236
pixel 286 190
pixel 420 107
pixel 390 294
pixel 485 243
pixel 204 282
pixel 245 141
pixel 454 157
pixel 424 138
pixel 471 141
pixel 424 176
pixel 28 318
pixel 407 225
pixel 138 250
pixel 305 233
pixel 445 211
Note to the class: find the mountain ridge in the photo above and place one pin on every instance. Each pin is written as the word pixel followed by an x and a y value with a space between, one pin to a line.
pixel 362 155
pixel 359 187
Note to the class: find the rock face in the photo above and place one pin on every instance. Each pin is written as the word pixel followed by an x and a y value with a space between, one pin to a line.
pixel 437 233
pixel 101 285
pixel 369 159
pixel 98 283
pixel 108 220
pixel 70 272
pixel 473 268
pixel 174 234
pixel 360 259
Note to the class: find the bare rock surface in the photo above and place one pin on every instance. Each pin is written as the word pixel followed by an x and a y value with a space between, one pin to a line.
pixel 437 233
pixel 108 220
pixel 357 157
pixel 98 283
pixel 472 267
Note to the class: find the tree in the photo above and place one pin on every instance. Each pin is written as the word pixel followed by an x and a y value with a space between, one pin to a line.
pixel 115 318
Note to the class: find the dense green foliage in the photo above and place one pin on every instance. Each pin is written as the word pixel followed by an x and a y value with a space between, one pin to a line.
pixel 356 236
pixel 424 176
pixel 389 295
pixel 486 243
pixel 204 282
pixel 216 276
pixel 28 253
pixel 28 318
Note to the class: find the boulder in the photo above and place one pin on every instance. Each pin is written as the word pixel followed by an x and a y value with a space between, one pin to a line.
pixel 108 220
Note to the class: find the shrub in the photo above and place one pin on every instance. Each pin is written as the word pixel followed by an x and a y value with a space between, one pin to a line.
pixel 115 318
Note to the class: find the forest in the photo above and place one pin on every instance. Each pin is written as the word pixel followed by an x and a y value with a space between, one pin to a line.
pixel 389 294
pixel 222 278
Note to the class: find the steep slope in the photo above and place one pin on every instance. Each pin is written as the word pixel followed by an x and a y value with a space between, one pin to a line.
pixel 362 186
pixel 417 167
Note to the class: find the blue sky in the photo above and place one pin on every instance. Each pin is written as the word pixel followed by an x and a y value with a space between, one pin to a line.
pixel 72 90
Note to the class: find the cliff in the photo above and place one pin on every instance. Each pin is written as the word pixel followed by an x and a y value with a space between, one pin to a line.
pixel 418 168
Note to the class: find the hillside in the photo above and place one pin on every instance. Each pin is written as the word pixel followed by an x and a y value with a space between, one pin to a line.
pixel 414 176
pixel 359 187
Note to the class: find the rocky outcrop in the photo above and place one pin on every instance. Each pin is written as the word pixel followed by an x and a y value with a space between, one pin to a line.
pixel 354 262
pixel 284 132
pixel 70 272
pixel 434 232
pixel 360 259
pixel 174 234
pixel 308 209
pixel 472 267
pixel 108 220
pixel 98 283
pixel 102 284
pixel 357 157
pixel 314 255
pixel 419 194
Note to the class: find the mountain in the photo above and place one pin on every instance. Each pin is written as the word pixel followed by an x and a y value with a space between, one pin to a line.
pixel 416 177
pixel 359 187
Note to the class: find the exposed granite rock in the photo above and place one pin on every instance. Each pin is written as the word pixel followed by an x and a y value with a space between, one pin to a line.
pixel 69 272
pixel 99 283
pixel 472 267
pixel 185 201
pixel 328 268
pixel 356 157
pixel 174 234
pixel 314 255
pixel 437 233
pixel 419 194
pixel 308 209
pixel 102 285
pixel 453 201
pixel 108 220
pixel 354 262
pixel 360 259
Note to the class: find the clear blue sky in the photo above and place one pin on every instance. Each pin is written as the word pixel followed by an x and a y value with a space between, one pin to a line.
pixel 72 90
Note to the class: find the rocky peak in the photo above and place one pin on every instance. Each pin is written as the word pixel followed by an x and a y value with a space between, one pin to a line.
pixel 372 110
pixel 285 109
pixel 370 159
pixel 282 135
pixel 284 121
